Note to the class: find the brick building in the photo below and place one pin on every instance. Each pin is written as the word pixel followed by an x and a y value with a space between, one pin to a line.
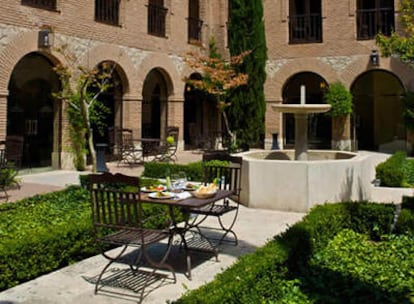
pixel 311 43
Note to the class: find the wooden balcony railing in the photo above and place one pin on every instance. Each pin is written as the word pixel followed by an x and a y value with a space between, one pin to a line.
pixel 107 11
pixel 305 28
pixel 194 29
pixel 44 4
pixel 370 22
pixel 156 20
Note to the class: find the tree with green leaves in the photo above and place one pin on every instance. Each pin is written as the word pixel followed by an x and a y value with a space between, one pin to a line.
pixel 247 32
pixel 400 44
pixel 80 89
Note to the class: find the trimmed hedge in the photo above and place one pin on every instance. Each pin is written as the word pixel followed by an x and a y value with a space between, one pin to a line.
pixel 396 171
pixel 47 232
pixel 44 233
pixel 294 267
pixel 193 171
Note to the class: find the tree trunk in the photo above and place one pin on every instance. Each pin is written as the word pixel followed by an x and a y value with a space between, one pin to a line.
pixel 92 151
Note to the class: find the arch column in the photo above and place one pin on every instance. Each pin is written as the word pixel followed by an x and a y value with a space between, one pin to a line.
pixel 132 114
pixel 175 117
pixel 3 113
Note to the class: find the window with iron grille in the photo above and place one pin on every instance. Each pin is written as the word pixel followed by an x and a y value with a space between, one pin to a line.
pixel 194 21
pixel 156 17
pixel 373 17
pixel 107 11
pixel 45 4
pixel 305 21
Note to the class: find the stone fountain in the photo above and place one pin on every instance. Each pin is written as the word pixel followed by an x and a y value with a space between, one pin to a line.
pixel 301 112
pixel 297 180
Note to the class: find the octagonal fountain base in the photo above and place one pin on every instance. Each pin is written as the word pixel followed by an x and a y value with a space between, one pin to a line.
pixel 272 180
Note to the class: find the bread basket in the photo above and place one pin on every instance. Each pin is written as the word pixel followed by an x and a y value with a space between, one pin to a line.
pixel 205 191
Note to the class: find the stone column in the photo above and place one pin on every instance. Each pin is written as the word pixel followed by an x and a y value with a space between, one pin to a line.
pixel 301 136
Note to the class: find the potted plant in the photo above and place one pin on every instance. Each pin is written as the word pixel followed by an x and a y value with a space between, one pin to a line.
pixel 340 99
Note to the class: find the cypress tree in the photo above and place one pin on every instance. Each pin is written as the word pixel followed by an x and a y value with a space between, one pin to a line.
pixel 248 105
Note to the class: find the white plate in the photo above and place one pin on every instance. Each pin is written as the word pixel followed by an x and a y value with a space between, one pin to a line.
pixel 154 188
pixel 161 195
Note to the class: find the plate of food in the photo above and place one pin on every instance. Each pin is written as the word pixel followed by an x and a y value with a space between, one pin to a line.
pixel 205 191
pixel 161 195
pixel 154 188
pixel 190 187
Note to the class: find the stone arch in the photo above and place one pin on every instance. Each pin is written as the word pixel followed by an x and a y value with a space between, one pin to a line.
pixel 319 125
pixel 125 65
pixel 274 85
pixel 170 69
pixel 201 117
pixel 32 111
pixel 155 107
pixel 377 123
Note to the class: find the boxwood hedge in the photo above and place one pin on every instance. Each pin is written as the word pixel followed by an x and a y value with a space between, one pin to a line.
pixel 46 232
pixel 334 255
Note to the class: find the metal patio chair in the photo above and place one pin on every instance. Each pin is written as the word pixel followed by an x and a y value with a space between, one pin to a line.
pixel 168 151
pixel 129 152
pixel 226 211
pixel 119 219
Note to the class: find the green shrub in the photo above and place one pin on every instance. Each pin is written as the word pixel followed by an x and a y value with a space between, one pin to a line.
pixel 356 270
pixel 285 269
pixel 405 222
pixel 408 202
pixel 193 171
pixel 46 232
pixel 340 99
pixel 392 172
pixel 43 233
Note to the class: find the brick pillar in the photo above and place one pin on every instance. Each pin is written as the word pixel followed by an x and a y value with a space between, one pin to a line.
pixel 132 114
pixel 176 118
pixel 3 113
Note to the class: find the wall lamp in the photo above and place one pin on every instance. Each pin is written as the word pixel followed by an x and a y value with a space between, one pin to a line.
pixel 45 38
pixel 374 58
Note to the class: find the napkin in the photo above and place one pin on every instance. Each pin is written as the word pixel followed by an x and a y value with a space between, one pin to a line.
pixel 182 195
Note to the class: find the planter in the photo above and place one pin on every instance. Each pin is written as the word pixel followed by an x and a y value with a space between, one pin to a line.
pixel 341 133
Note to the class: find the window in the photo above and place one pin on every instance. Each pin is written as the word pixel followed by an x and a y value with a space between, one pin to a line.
pixel 45 4
pixel 107 11
pixel 156 17
pixel 305 21
pixel 194 21
pixel 373 17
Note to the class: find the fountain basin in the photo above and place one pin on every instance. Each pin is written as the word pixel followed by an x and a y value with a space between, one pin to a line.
pixel 301 108
pixel 272 180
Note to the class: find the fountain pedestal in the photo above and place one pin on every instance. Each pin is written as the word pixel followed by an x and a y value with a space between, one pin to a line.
pixel 301 136
pixel 301 112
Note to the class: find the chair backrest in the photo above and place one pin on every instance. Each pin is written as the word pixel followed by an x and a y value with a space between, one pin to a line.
pixel 113 204
pixel 228 170
pixel 174 132
pixel 14 149
pixel 126 138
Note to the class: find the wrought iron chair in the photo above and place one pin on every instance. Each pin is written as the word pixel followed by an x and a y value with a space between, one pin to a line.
pixel 14 150
pixel 119 219
pixel 168 151
pixel 129 152
pixel 10 162
pixel 229 173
